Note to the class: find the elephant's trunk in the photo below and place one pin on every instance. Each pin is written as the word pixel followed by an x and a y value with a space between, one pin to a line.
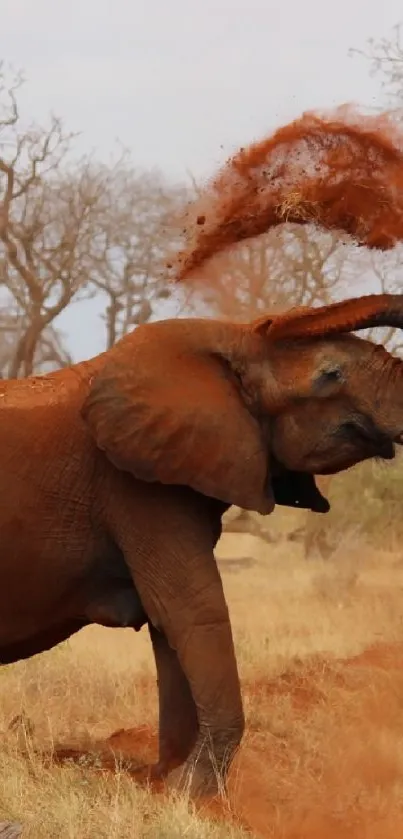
pixel 346 316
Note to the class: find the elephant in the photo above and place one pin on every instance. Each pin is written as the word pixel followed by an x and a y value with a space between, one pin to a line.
pixel 116 471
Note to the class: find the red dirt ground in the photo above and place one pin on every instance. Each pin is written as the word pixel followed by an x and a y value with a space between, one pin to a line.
pixel 296 780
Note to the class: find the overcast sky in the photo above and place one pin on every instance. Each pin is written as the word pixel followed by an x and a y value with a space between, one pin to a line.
pixel 184 83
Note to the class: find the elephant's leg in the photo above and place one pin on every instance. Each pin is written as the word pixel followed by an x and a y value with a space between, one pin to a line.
pixel 178 724
pixel 183 597
pixel 206 653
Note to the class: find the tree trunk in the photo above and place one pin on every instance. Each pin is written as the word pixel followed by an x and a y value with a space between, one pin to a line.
pixel 22 363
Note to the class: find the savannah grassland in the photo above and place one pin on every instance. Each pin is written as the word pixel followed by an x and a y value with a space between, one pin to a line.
pixel 320 650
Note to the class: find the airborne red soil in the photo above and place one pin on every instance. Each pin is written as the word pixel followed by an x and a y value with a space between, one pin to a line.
pixel 341 171
pixel 315 763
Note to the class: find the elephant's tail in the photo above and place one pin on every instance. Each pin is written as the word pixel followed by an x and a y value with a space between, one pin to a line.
pixel 343 171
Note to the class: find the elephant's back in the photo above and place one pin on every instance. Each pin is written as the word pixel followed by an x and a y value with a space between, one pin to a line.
pixel 27 395
pixel 63 387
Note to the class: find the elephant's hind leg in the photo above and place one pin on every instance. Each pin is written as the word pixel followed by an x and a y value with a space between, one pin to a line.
pixel 178 723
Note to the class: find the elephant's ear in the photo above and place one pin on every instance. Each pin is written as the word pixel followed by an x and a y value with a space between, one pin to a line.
pixel 168 412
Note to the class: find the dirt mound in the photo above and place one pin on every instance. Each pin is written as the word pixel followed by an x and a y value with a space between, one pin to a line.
pixel 132 750
pixel 343 171
pixel 134 742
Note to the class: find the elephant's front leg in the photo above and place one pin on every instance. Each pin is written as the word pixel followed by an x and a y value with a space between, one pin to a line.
pixel 182 594
pixel 205 650
pixel 178 723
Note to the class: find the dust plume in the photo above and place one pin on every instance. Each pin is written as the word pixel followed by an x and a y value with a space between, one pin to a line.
pixel 342 171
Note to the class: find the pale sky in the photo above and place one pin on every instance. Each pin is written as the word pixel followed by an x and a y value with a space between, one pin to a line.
pixel 183 83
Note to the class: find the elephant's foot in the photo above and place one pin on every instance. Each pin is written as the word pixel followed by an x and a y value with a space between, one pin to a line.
pixel 203 775
pixel 197 778
pixel 197 781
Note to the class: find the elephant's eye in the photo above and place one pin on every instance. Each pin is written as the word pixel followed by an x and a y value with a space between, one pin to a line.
pixel 329 376
pixel 349 427
pixel 355 430
pixel 333 375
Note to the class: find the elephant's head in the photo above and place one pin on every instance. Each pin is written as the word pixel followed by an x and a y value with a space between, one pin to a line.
pixel 226 408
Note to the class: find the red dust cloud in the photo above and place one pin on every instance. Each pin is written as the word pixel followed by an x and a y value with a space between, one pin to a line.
pixel 340 172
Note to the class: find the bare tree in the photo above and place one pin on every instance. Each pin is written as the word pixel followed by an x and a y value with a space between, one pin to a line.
pixel 46 228
pixel 51 351
pixel 140 230
pixel 385 57
pixel 70 229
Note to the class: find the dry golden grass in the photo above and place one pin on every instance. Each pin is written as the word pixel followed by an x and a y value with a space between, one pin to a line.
pixel 323 754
